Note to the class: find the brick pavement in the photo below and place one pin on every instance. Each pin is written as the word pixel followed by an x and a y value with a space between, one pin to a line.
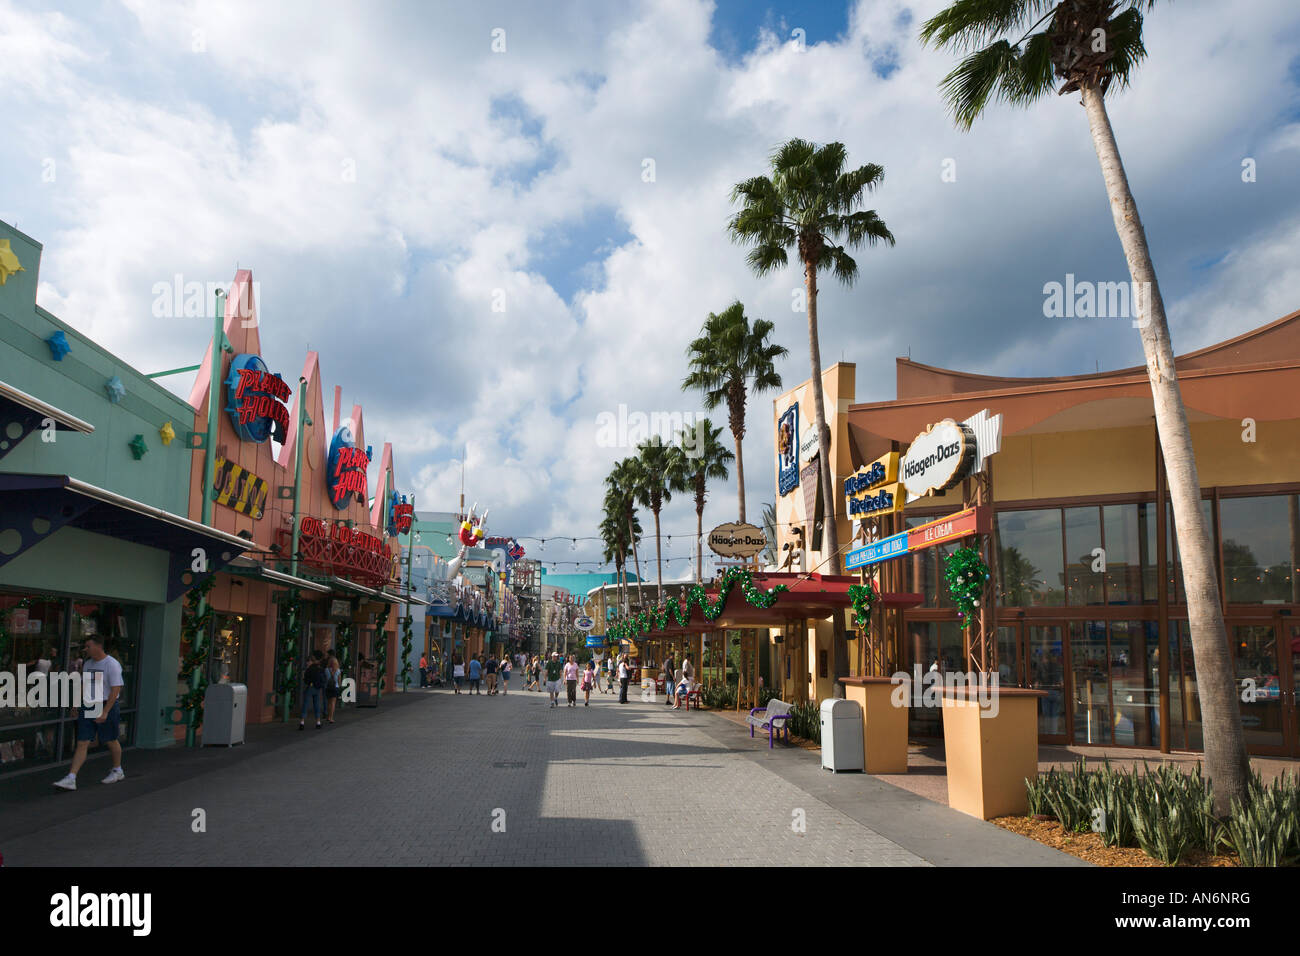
pixel 424 781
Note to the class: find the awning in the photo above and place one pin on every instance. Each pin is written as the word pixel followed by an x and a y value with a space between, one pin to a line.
pixel 248 567
pixel 42 504
pixel 29 413
pixel 403 598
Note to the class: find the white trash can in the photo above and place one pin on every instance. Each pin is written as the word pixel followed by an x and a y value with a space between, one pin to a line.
pixel 225 710
pixel 841 722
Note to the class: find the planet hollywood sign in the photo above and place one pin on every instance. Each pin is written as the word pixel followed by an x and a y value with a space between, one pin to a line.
pixel 347 469
pixel 255 400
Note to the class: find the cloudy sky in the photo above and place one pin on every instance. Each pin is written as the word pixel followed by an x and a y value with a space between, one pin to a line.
pixel 470 237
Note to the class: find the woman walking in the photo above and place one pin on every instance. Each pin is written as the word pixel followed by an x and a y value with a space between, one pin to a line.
pixel 333 683
pixel 589 677
pixel 571 680
pixel 536 674
pixel 458 673
pixel 505 674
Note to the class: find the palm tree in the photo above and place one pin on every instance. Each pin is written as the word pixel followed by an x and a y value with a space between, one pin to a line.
pixel 614 534
pixel 655 459
pixel 769 532
pixel 698 459
pixel 729 360
pixel 1087 45
pixel 812 204
pixel 623 484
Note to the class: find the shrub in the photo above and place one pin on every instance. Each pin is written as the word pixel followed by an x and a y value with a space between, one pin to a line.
pixel 1264 830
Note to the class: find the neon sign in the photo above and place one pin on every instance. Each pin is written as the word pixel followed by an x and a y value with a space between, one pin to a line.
pixel 400 514
pixel 255 400
pixel 346 474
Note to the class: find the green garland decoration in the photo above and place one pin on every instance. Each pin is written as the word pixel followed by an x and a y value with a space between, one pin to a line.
pixel 343 644
pixel 407 642
pixel 680 611
pixel 381 652
pixel 194 628
pixel 966 574
pixel 863 598
pixel 290 611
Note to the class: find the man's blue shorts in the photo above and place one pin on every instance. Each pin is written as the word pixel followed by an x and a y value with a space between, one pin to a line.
pixel 108 731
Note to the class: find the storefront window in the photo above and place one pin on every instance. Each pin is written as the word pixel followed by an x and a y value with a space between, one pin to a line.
pixel 1090 680
pixel 48 633
pixel 1087 558
pixel 1184 701
pixel 1131 568
pixel 227 662
pixel 1029 563
pixel 1135 682
pixel 31 634
pixel 922 577
pixel 923 651
pixel 117 626
pixel 1046 672
pixel 1261 537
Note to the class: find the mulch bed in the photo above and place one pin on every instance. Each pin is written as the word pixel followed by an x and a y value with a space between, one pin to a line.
pixel 1090 846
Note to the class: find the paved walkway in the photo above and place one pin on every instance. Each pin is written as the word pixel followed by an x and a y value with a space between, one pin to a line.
pixel 432 778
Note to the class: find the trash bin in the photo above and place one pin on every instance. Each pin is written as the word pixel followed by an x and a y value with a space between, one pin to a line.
pixel 225 709
pixel 841 722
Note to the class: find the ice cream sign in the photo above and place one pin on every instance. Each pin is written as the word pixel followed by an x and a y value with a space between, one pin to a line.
pixel 346 470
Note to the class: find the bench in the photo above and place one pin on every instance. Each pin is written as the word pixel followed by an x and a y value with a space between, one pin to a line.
pixel 765 718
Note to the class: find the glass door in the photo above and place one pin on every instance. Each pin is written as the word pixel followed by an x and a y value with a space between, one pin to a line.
pixel 1264 705
pixel 1045 670
pixel 1289 629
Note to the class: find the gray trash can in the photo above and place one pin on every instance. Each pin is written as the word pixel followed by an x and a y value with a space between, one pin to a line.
pixel 841 722
pixel 225 711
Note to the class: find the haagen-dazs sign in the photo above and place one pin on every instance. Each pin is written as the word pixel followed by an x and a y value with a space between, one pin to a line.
pixel 735 540
pixel 938 458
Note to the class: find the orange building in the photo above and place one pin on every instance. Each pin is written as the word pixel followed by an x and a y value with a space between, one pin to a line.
pixel 346 569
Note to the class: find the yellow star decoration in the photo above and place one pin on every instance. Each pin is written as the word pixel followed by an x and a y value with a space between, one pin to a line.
pixel 167 433
pixel 9 263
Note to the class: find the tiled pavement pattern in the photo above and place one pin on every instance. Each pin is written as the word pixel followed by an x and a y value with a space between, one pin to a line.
pixel 423 781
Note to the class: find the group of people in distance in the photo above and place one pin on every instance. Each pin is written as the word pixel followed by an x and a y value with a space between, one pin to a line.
pixel 560 673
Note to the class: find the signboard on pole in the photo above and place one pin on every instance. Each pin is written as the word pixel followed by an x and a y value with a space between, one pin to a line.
pixel 584 623
pixel 735 540
pixel 962 524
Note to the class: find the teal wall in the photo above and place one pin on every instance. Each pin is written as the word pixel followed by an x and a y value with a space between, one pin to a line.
pixel 76 385
pixel 77 562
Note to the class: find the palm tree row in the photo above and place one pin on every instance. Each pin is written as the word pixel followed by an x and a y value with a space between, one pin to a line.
pixel 1017 51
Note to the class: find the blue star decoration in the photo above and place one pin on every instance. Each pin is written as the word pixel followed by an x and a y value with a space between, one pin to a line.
pixel 59 347
pixel 115 389
pixel 138 447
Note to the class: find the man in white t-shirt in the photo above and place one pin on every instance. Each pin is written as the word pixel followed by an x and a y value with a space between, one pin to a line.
pixel 105 726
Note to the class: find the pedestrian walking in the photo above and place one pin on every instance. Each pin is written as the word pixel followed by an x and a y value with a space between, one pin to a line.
pixel 554 670
pixel 101 721
pixel 571 680
pixel 458 673
pixel 333 686
pixel 475 674
pixel 537 674
pixel 505 674
pixel 313 686
pixel 685 681
pixel 669 675
pixel 589 677
pixel 424 671
pixel 624 674
pixel 490 669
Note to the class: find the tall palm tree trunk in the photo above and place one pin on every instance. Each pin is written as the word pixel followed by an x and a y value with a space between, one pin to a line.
pixel 659 559
pixel 832 538
pixel 640 594
pixel 740 478
pixel 699 538
pixel 1226 762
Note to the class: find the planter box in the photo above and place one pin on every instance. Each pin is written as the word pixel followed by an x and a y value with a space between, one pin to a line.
pixel 990 757
pixel 884 725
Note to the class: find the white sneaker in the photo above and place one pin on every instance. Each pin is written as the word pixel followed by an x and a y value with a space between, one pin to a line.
pixel 114 776
pixel 67 783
